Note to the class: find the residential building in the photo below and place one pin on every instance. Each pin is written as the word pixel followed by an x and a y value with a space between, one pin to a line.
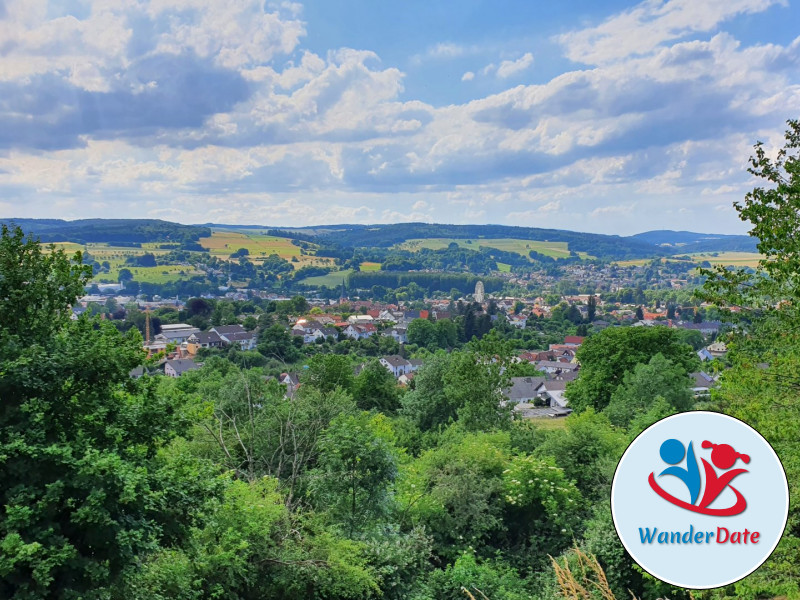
pixel 178 366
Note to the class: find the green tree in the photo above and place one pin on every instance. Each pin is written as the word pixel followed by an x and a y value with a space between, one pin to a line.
pixel 251 547
pixel 482 579
pixel 427 405
pixel 83 491
pixel 475 383
pixel 376 389
pixel 327 372
pixel 357 466
pixel 423 333
pixel 642 386
pixel 587 449
pixel 591 309
pixel 276 342
pixel 447 333
pixel 124 276
pixel 774 214
pixel 606 356
pixel 455 491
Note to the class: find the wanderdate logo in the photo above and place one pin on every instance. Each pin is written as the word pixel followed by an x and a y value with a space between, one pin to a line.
pixel 723 457
pixel 699 500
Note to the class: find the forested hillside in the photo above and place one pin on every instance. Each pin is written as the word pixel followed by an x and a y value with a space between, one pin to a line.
pixel 110 231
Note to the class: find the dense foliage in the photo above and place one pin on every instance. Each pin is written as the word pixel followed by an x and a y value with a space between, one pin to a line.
pixel 110 230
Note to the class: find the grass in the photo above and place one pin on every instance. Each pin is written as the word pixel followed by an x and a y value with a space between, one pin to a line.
pixel 550 424
pixel 159 274
pixel 504 267
pixel 224 243
pixel 370 266
pixel 516 245
pixel 737 259
pixel 333 279
pixel 639 262
pixel 221 244
pixel 68 247
pixel 116 257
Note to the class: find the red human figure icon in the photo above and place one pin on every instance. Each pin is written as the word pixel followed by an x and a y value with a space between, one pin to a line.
pixel 724 457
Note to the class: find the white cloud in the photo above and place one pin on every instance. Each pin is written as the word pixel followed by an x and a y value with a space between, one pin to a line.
pixel 554 206
pixel 447 50
pixel 646 26
pixel 616 209
pixel 668 123
pixel 509 68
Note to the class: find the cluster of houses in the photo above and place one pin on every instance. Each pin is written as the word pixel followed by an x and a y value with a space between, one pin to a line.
pixel 543 396
pixel 393 322
pixel 183 341
pixel 188 339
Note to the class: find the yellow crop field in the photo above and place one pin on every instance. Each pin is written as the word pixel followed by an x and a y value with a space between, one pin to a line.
pixel 736 259
pixel 224 243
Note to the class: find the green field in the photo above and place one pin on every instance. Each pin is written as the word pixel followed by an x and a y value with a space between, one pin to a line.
pixel 224 243
pixel 221 244
pixel 737 259
pixel 549 424
pixel 504 267
pixel 116 257
pixel 519 246
pixel 370 266
pixel 159 274
pixel 333 279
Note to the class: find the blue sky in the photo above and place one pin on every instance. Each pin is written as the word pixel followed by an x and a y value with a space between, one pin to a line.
pixel 613 117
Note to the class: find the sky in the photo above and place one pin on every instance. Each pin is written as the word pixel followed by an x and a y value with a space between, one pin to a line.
pixel 611 117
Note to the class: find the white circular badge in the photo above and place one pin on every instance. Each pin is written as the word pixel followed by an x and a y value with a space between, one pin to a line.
pixel 700 500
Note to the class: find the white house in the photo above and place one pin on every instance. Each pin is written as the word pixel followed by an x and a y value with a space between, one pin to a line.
pixel 399 334
pixel 552 392
pixel 387 316
pixel 360 319
pixel 397 365
pixel 360 332
pixel 554 367
pixel 518 321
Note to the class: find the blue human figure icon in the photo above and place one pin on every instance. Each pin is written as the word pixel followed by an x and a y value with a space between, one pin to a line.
pixel 672 452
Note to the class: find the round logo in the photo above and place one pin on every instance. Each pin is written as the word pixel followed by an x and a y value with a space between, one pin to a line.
pixel 699 500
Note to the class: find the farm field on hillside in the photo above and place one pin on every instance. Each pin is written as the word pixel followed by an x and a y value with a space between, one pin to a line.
pixel 223 243
pixel 333 279
pixel 737 259
pixel 520 246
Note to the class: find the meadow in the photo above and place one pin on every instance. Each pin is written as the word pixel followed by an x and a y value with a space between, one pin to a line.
pixel 224 243
pixel 516 245
pixel 333 279
pixel 735 259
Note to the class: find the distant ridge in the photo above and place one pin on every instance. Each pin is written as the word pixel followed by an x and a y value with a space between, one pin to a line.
pixel 643 245
pixel 109 230
pixel 689 241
